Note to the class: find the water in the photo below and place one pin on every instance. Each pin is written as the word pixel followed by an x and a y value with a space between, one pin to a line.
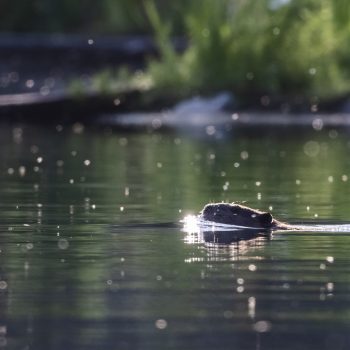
pixel 79 269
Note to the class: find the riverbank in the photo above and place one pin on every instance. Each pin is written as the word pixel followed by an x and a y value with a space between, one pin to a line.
pixel 50 78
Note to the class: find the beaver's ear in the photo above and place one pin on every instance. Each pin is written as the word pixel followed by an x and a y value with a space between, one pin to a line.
pixel 266 219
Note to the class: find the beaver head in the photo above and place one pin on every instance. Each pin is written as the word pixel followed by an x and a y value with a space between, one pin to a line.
pixel 236 214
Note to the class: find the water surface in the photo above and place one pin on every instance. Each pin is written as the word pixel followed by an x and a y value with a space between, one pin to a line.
pixel 77 271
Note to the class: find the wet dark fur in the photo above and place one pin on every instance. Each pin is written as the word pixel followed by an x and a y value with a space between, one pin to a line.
pixel 239 215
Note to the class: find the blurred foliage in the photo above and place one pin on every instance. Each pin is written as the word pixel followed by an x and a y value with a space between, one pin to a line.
pixel 249 47
pixel 121 80
pixel 111 81
pixel 252 48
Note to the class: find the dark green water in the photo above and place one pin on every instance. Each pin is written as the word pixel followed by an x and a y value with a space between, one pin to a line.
pixel 73 276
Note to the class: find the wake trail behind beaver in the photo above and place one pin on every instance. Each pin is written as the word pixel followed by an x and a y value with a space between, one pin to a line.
pixel 343 228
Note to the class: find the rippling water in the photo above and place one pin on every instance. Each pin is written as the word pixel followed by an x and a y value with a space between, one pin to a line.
pixel 81 266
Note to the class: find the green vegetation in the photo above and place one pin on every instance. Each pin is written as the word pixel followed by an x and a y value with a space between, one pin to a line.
pixel 278 48
pixel 288 48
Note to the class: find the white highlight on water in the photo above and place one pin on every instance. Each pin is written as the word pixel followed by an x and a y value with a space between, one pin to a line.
pixel 194 224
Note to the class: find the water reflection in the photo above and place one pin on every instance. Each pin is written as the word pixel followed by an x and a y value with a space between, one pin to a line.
pixel 232 237
pixel 222 242
pixel 228 247
pixel 73 276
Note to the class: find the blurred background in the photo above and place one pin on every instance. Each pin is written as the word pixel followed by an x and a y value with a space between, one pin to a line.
pixel 260 51
pixel 86 17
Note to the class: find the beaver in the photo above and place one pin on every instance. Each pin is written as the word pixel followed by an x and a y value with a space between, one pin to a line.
pixel 240 215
